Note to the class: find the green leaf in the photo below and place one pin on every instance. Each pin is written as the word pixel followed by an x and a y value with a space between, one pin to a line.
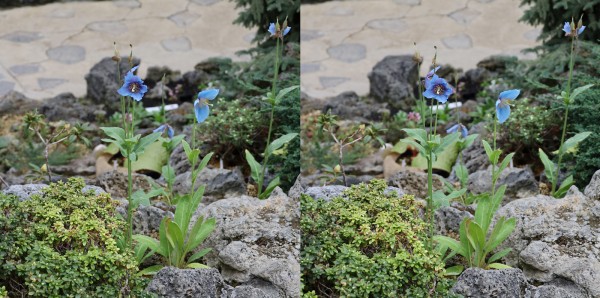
pixel 578 91
pixel 196 266
pixel 503 165
pixel 497 266
pixel 152 270
pixel 462 174
pixel 145 141
pixel 285 91
pixel 494 155
pixel 572 142
pixel 454 270
pixel 501 231
pixel 549 168
pixel 499 255
pixel 420 135
pixel 447 141
pixel 451 243
pixel 199 254
pixel 255 167
pixel 204 231
pixel 141 198
pixel 149 242
pixel 279 142
pixel 115 133
pixel 192 154
pixel 267 192
pixel 564 187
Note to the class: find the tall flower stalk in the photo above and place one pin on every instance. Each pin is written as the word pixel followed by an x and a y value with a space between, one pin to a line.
pixel 258 171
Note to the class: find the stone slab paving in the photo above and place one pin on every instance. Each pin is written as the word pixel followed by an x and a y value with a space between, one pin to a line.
pixel 341 41
pixel 46 50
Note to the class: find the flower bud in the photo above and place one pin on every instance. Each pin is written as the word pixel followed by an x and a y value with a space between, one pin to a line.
pixel 44 168
pixel 337 169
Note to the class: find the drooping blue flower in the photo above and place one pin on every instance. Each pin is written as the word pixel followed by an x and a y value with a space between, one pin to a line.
pixel 463 129
pixel 201 106
pixel 503 104
pixel 569 31
pixel 133 86
pixel 437 88
pixel 168 128
pixel 275 30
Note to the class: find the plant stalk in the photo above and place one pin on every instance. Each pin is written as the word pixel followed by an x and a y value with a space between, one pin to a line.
pixel 494 163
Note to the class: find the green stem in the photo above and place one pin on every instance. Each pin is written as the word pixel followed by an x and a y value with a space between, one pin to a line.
pixel 130 203
pixel 494 163
pixel 564 131
pixel 437 112
pixel 430 197
pixel 195 159
pixel 421 98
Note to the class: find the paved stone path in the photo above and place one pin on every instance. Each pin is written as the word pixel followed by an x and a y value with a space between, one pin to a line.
pixel 343 40
pixel 46 50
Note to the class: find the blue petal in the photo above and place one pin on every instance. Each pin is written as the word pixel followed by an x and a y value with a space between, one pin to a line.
pixel 502 111
pixel 509 94
pixel 123 91
pixel 286 30
pixel 137 96
pixel 465 132
pixel 170 132
pixel 580 30
pixel 441 98
pixel 209 94
pixel 272 29
pixel 567 28
pixel 429 83
pixel 160 129
pixel 428 93
pixel 452 129
pixel 201 111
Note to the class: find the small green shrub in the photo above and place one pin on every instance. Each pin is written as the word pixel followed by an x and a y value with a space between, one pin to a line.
pixel 62 243
pixel 371 244
pixel 262 12
pixel 553 14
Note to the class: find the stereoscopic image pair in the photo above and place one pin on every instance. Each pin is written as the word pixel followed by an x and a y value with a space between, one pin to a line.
pixel 299 148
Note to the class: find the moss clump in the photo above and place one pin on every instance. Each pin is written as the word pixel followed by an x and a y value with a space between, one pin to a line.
pixel 62 243
pixel 368 244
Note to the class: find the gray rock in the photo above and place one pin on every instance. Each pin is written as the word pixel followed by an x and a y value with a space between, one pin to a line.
pixel 102 84
pixel 110 27
pixel 67 54
pixel 393 81
pixel 127 3
pixel 348 52
pixel 592 190
pixel 256 239
pixel 471 83
pixel 22 36
pixel 520 183
pixel 176 283
pixel 23 69
pixel 459 41
pixel 552 291
pixel 16 103
pixel 67 108
pixel 6 87
pixel 146 219
pixel 330 82
pixel 177 44
pixel 115 183
pixel 298 188
pixel 309 67
pixel 395 25
pixel 205 2
pixel 326 193
pixel 414 183
pixel 348 106
pixel 219 183
pixel 255 288
pixel 49 83
pixel 556 239
pixel 25 191
pixel 307 35
pixel 479 283
pixel 464 16
pixel 183 18
pixel 448 218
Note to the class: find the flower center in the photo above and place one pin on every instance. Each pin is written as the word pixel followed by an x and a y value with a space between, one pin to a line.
pixel 439 89
pixel 134 87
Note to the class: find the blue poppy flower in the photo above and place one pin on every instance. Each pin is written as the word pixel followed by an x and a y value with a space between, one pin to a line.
pixel 438 88
pixel 201 106
pixel 573 31
pixel 503 104
pixel 431 73
pixel 275 30
pixel 133 86
pixel 463 129
pixel 168 128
